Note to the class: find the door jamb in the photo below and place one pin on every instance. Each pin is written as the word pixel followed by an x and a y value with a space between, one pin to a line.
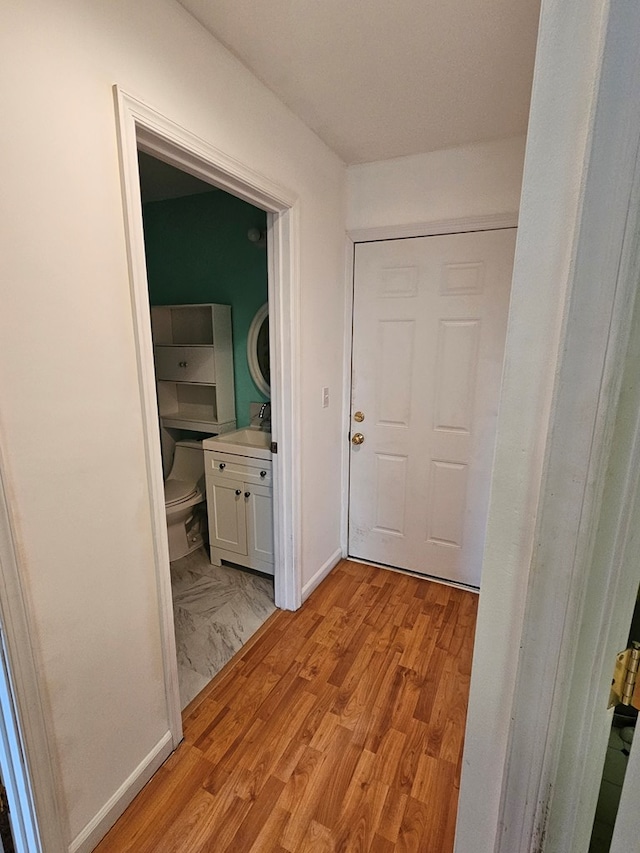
pixel 555 798
pixel 141 127
pixel 570 292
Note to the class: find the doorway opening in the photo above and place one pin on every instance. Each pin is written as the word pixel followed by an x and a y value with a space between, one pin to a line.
pixel 142 129
pixel 207 273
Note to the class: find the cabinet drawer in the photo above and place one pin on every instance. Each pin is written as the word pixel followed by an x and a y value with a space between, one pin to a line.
pixel 238 468
pixel 185 364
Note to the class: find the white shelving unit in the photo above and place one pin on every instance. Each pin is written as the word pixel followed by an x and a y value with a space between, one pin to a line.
pixel 194 366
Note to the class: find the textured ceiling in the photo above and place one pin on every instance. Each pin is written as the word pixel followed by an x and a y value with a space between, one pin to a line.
pixel 378 79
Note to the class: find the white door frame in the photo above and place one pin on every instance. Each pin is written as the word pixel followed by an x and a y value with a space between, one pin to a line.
pixel 575 278
pixel 27 752
pixel 437 227
pixel 142 128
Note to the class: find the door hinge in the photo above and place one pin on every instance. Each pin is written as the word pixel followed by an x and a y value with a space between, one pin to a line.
pixel 625 686
pixel 274 446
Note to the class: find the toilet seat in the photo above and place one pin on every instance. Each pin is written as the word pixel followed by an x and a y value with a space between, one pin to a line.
pixel 177 491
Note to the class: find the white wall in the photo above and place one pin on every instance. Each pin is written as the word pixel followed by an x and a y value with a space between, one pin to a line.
pixel 472 180
pixel 70 424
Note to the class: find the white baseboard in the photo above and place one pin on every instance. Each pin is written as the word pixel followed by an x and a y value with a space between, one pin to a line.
pixel 98 827
pixel 321 574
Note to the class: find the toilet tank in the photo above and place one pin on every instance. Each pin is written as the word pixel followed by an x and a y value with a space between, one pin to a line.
pixel 188 462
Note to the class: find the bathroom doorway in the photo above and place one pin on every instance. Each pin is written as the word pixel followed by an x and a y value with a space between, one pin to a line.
pixel 142 129
pixel 206 258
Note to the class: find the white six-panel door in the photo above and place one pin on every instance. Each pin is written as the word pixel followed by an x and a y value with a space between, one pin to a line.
pixel 429 330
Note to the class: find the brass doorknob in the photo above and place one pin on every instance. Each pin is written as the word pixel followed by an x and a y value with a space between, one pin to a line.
pixel 358 438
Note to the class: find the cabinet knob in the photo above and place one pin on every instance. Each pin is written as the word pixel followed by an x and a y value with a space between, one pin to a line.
pixel 222 466
pixel 263 474
pixel 247 494
pixel 183 364
pixel 238 492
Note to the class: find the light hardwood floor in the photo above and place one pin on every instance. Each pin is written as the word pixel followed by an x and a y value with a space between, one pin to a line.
pixel 338 728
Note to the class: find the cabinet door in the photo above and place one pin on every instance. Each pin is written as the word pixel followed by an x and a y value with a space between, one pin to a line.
pixel 260 523
pixel 185 364
pixel 226 508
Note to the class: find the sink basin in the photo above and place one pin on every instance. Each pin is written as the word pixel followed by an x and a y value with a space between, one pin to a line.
pixel 250 441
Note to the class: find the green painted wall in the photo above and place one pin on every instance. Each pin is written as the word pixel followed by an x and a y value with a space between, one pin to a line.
pixel 197 251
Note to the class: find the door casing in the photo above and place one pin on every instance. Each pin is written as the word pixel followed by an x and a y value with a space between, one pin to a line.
pixel 140 127
pixel 575 277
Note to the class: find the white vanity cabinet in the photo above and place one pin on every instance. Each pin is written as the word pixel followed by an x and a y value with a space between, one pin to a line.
pixel 193 356
pixel 240 510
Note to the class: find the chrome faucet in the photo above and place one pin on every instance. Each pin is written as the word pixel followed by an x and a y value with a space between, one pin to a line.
pixel 265 419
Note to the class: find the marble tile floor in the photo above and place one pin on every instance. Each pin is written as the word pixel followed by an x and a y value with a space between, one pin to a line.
pixel 216 610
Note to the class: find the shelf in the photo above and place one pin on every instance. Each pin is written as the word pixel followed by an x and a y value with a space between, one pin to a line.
pixel 182 325
pixel 193 355
pixel 196 425
pixel 183 400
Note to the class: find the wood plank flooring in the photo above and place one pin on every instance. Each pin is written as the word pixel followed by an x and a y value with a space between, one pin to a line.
pixel 337 729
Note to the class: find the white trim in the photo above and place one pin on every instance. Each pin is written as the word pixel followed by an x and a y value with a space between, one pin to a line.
pixel 168 141
pixel 322 573
pixel 488 222
pixel 252 350
pixel 595 590
pixel 283 241
pixel 579 171
pixel 588 388
pixel 129 113
pixel 38 792
pixel 346 393
pixel 99 825
pixel 141 127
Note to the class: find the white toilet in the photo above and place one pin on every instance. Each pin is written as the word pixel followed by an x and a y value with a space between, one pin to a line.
pixel 184 497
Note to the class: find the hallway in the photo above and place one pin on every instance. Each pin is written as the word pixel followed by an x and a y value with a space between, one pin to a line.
pixel 338 727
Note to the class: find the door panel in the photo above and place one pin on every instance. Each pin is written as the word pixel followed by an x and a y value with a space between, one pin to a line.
pixel 393 387
pixel 429 328
pixel 455 371
pixel 391 487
